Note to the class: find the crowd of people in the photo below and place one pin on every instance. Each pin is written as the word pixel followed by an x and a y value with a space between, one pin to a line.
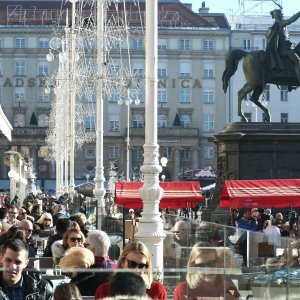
pixel 82 253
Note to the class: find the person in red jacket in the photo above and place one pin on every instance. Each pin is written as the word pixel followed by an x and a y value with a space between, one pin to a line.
pixel 202 280
pixel 136 256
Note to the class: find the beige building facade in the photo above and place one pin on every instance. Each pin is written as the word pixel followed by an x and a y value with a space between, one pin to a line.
pixel 191 103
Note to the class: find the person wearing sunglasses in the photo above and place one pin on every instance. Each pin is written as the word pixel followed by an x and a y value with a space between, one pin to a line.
pixel 73 238
pixel 202 279
pixel 136 256
pixel 12 216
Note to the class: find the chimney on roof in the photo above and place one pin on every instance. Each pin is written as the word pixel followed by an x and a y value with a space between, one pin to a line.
pixel 203 9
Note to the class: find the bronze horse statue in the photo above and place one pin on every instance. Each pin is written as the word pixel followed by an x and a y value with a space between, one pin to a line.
pixel 258 74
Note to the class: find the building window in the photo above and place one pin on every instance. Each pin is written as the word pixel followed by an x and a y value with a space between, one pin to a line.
pixel 114 123
pixel 209 152
pixel 162 121
pixel 43 68
pixel 90 152
pixel 208 70
pixel 162 95
pixel 19 67
pixel 113 44
pixel 90 124
pixel 138 69
pixel 284 117
pixel 185 95
pixel 42 96
pixel 137 152
pixel 208 45
pixel 90 98
pixel 43 120
pixel 44 43
pixel 185 121
pixel 247 44
pixel 266 94
pixel 19 94
pixel 248 116
pixel 208 123
pixel 138 44
pixel 162 70
pixel 114 152
pixel 184 44
pixel 284 93
pixel 208 96
pixel 185 153
pixel 167 152
pixel 114 97
pixel 185 69
pixel 90 66
pixel 138 121
pixel 113 70
pixel 20 42
pixel 162 44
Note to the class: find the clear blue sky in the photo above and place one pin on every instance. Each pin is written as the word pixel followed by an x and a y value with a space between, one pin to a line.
pixel 252 7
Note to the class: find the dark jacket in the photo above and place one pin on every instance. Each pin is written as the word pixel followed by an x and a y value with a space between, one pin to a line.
pixel 88 283
pixel 52 238
pixel 36 288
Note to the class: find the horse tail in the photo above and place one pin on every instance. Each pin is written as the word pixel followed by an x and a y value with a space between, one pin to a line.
pixel 232 61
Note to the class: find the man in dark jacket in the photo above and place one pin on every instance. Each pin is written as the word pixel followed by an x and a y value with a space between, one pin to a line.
pixel 62 226
pixel 16 282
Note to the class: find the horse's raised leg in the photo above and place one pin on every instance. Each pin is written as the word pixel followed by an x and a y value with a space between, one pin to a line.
pixel 247 88
pixel 255 99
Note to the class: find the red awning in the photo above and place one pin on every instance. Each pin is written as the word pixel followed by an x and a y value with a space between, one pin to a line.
pixel 177 194
pixel 260 193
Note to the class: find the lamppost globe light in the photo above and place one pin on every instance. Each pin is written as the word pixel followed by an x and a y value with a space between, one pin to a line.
pixel 47 90
pixel 163 177
pixel 120 102
pixel 137 101
pixel 11 174
pixel 50 57
pixel 128 101
pixel 163 161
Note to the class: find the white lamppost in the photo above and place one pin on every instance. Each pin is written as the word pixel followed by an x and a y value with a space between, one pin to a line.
pixel 99 191
pixel 128 102
pixel 72 101
pixel 151 227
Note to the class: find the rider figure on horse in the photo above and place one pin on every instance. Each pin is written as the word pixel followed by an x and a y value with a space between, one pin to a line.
pixel 279 44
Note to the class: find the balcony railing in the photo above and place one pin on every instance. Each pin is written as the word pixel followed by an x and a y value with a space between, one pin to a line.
pixel 29 131
pixel 175 131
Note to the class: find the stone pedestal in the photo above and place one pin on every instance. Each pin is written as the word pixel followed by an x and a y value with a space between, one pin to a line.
pixel 256 151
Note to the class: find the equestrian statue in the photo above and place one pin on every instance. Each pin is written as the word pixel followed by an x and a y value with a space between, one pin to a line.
pixel 279 64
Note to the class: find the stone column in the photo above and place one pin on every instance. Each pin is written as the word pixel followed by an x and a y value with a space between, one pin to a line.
pixel 52 169
pixel 34 156
pixel 195 158
pixel 176 160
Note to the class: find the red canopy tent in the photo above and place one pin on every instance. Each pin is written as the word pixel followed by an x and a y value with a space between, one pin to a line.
pixel 260 193
pixel 177 194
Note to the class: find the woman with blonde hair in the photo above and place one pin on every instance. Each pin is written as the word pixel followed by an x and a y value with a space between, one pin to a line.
pixel 205 283
pixel 45 222
pixel 136 256
pixel 75 260
pixel 73 237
